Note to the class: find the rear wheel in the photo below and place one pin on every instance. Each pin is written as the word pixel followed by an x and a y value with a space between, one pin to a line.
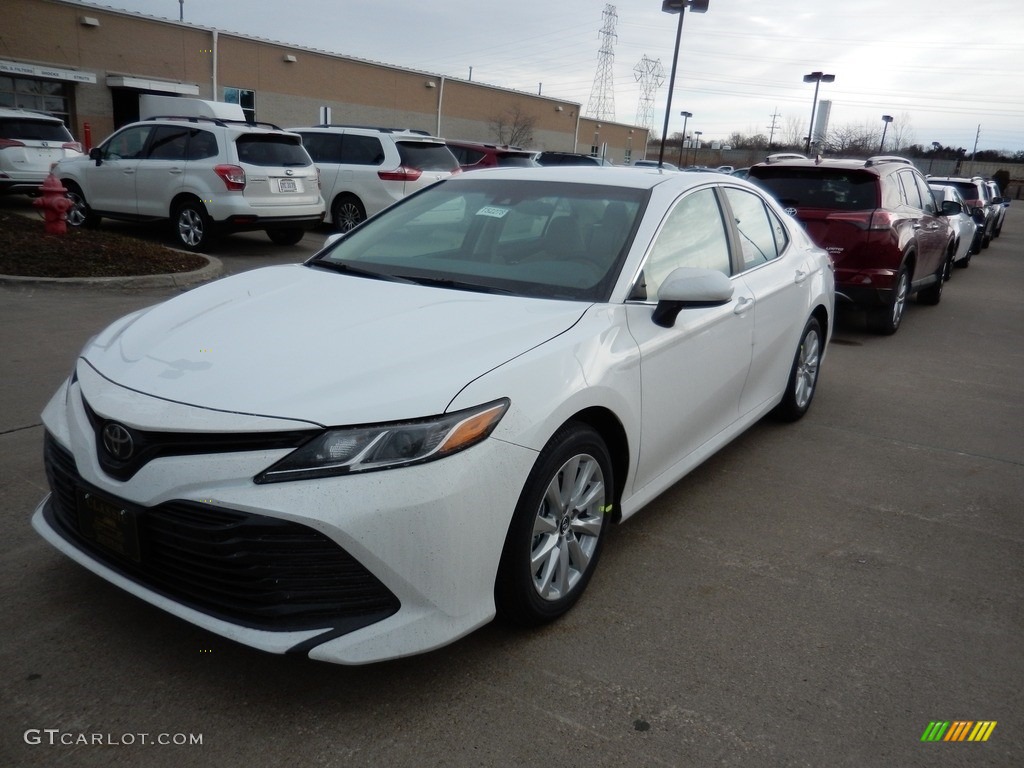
pixel 192 227
pixel 286 236
pixel 347 213
pixel 803 377
pixel 79 214
pixel 555 538
pixel 886 320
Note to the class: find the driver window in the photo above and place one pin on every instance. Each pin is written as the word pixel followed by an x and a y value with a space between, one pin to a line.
pixel 128 144
pixel 693 235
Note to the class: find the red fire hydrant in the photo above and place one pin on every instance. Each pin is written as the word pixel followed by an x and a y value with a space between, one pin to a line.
pixel 54 204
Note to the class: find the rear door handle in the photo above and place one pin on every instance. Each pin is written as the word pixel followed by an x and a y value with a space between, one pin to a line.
pixel 800 276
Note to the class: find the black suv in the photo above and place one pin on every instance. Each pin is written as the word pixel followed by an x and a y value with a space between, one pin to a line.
pixel 569 158
pixel 879 222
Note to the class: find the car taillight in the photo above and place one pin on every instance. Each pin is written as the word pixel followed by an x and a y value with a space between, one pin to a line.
pixel 74 146
pixel 8 143
pixel 866 220
pixel 401 173
pixel 233 176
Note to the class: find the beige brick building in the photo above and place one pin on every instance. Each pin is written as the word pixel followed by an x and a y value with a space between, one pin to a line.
pixel 90 64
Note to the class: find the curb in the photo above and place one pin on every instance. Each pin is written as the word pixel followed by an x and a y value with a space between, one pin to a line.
pixel 214 267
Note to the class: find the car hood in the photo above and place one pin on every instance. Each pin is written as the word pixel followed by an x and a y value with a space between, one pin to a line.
pixel 300 343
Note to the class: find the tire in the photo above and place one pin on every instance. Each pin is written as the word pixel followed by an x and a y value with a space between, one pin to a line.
pixel 932 295
pixel 80 214
pixel 803 376
pixel 192 227
pixel 286 236
pixel 886 320
pixel 965 262
pixel 555 537
pixel 347 213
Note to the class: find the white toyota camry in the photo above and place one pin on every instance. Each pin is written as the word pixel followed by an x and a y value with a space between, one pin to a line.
pixel 436 418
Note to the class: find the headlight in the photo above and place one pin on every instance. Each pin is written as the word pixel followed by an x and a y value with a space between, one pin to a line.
pixel 384 446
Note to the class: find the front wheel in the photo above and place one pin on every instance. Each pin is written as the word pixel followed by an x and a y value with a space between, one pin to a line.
pixel 555 538
pixel 932 295
pixel 286 236
pixel 803 376
pixel 80 214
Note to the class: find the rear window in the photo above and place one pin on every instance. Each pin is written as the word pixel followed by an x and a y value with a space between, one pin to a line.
pixel 515 161
pixel 831 189
pixel 966 189
pixel 27 129
pixel 426 156
pixel 271 150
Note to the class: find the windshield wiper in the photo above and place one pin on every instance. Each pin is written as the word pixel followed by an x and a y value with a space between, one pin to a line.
pixel 458 285
pixel 348 269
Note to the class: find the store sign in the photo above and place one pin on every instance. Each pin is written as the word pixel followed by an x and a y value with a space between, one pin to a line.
pixel 51 73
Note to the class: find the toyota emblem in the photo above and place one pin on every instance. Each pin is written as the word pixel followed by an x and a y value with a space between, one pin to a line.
pixel 117 441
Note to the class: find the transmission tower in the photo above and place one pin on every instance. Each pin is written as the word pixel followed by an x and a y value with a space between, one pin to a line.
pixel 602 96
pixel 651 75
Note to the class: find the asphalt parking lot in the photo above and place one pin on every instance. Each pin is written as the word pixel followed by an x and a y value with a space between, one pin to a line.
pixel 814 595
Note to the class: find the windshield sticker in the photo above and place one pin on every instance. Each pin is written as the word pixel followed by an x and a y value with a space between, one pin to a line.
pixel 493 211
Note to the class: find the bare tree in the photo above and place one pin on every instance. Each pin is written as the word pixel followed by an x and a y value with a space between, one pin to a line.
pixel 901 131
pixel 513 126
pixel 793 132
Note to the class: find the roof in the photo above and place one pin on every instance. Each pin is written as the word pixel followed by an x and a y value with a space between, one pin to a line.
pixel 620 176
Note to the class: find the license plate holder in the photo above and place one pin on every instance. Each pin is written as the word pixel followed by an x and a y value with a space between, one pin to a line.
pixel 109 525
pixel 287 185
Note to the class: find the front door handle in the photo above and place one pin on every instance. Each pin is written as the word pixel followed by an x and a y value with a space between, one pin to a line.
pixel 743 303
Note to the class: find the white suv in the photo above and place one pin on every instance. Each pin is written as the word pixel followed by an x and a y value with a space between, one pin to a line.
pixel 30 143
pixel 364 170
pixel 205 173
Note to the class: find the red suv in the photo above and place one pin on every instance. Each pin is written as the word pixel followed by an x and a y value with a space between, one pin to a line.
pixel 878 221
pixel 473 154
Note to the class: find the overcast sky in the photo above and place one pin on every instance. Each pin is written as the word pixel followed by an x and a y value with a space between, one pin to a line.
pixel 940 67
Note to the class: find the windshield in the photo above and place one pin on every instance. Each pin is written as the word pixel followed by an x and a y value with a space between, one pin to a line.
pixel 543 239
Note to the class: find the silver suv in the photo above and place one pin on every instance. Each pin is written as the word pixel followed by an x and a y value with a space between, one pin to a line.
pixel 30 143
pixel 203 171
pixel 363 170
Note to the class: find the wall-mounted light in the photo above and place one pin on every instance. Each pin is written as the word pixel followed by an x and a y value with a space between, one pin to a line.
pixel 558 108
pixel 89 21
pixel 290 59
pixel 430 84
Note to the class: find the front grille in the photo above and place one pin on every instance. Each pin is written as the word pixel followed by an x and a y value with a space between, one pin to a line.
pixel 253 570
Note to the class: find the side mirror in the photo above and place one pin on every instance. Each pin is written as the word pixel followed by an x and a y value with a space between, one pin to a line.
pixel 951 208
pixel 687 288
pixel 97 155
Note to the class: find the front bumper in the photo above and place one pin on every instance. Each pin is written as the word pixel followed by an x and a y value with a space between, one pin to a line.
pixel 390 563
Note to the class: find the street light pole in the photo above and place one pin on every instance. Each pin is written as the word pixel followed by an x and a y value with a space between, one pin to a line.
pixel 676 6
pixel 885 119
pixel 936 146
pixel 817 78
pixel 696 145
pixel 686 116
